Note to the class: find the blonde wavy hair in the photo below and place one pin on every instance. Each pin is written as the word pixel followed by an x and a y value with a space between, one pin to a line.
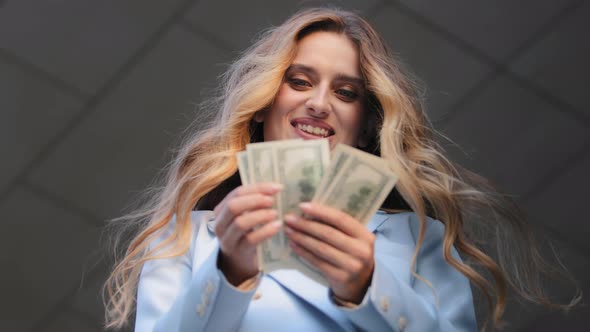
pixel 428 182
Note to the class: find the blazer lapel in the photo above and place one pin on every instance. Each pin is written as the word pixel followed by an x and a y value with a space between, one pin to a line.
pixel 313 292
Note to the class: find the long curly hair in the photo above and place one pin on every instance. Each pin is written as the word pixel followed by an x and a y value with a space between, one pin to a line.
pixel 429 183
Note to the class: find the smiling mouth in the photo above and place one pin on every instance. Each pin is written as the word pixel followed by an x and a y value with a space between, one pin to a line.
pixel 313 130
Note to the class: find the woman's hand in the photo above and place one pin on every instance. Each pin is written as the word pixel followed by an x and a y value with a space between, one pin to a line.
pixel 338 245
pixel 243 219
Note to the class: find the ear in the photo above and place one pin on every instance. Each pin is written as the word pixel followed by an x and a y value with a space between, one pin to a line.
pixel 259 116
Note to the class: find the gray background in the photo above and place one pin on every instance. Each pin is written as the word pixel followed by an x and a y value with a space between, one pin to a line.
pixel 94 95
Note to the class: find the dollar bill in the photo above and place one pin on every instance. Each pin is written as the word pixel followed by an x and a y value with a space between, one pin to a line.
pixel 338 159
pixel 261 168
pixel 301 166
pixel 360 185
pixel 243 167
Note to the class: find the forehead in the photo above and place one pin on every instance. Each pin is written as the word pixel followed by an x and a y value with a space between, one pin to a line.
pixel 329 53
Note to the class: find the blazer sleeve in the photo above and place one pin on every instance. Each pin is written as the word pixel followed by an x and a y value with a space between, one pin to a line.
pixel 173 295
pixel 397 301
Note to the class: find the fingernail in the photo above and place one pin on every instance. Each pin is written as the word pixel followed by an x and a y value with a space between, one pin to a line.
pixel 288 230
pixel 276 224
pixel 305 206
pixel 276 186
pixel 290 218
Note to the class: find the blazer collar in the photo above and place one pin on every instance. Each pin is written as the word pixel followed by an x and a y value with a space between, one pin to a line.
pixel 377 220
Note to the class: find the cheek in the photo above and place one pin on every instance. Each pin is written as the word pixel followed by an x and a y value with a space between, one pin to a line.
pixel 275 118
pixel 280 105
pixel 287 98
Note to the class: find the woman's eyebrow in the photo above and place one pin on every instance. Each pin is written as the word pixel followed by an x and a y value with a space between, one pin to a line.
pixel 312 72
pixel 350 79
pixel 302 68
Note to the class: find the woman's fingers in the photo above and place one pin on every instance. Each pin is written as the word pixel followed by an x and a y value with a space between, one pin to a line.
pixel 242 210
pixel 245 223
pixel 322 232
pixel 262 233
pixel 267 188
pixel 335 218
pixel 243 219
pixel 348 274
pixel 328 253
pixel 331 272
pixel 338 245
pixel 237 206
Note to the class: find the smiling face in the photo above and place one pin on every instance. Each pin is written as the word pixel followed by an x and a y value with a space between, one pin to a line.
pixel 322 94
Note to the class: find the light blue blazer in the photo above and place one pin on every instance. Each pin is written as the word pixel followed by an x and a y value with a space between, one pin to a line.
pixel 189 293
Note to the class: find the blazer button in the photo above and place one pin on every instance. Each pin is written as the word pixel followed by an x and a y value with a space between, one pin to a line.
pixel 209 287
pixel 200 310
pixel 256 296
pixel 384 304
pixel 402 322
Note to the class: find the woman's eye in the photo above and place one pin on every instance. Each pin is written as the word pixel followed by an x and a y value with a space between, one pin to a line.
pixel 347 94
pixel 298 82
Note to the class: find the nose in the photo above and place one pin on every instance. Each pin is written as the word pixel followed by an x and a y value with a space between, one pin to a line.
pixel 318 103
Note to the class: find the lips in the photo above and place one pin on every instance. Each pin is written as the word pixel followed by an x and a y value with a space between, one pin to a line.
pixel 312 127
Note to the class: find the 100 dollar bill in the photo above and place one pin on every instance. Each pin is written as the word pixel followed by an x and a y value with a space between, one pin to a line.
pixel 261 168
pixel 358 184
pixel 301 167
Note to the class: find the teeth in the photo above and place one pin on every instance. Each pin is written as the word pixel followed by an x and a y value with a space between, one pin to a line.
pixel 313 130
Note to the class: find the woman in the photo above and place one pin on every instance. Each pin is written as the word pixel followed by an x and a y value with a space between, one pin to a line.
pixel 324 73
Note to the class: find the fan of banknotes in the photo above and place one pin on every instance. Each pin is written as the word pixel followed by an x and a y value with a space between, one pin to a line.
pixel 351 180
